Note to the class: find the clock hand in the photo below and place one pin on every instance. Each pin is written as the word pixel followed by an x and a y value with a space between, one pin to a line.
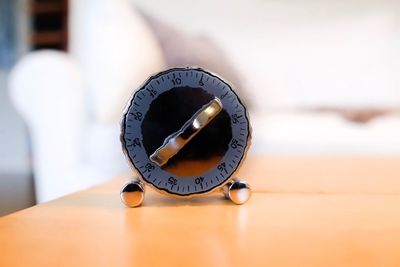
pixel 176 141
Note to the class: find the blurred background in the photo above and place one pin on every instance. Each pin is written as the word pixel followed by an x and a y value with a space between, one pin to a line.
pixel 319 77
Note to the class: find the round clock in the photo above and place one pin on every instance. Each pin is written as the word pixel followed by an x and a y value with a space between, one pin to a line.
pixel 185 132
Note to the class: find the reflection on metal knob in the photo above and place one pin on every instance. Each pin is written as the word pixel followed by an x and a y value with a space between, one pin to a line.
pixel 238 191
pixel 132 193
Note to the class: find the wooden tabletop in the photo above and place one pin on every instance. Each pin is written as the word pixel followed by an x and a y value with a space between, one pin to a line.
pixel 305 211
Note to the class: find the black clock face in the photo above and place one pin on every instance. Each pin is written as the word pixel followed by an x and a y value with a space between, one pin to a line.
pixel 166 103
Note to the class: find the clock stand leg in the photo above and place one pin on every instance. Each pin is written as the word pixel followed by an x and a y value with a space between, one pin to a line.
pixel 132 193
pixel 238 191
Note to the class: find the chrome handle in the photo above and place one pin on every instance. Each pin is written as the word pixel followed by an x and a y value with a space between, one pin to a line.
pixel 176 141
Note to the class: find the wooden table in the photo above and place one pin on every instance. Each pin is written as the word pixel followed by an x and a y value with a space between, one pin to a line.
pixel 305 211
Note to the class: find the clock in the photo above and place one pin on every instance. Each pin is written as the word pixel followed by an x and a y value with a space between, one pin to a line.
pixel 185 132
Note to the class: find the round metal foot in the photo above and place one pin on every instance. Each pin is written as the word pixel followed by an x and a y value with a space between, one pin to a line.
pixel 238 191
pixel 132 193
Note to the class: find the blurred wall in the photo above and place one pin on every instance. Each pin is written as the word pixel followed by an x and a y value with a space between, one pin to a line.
pixel 302 53
pixel 16 182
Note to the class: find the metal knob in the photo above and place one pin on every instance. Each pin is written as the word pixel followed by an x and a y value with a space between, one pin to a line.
pixel 238 191
pixel 176 141
pixel 132 193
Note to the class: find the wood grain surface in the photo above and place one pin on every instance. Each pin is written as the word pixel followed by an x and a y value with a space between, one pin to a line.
pixel 305 211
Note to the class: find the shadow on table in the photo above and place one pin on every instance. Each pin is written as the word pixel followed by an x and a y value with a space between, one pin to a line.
pixel 106 200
